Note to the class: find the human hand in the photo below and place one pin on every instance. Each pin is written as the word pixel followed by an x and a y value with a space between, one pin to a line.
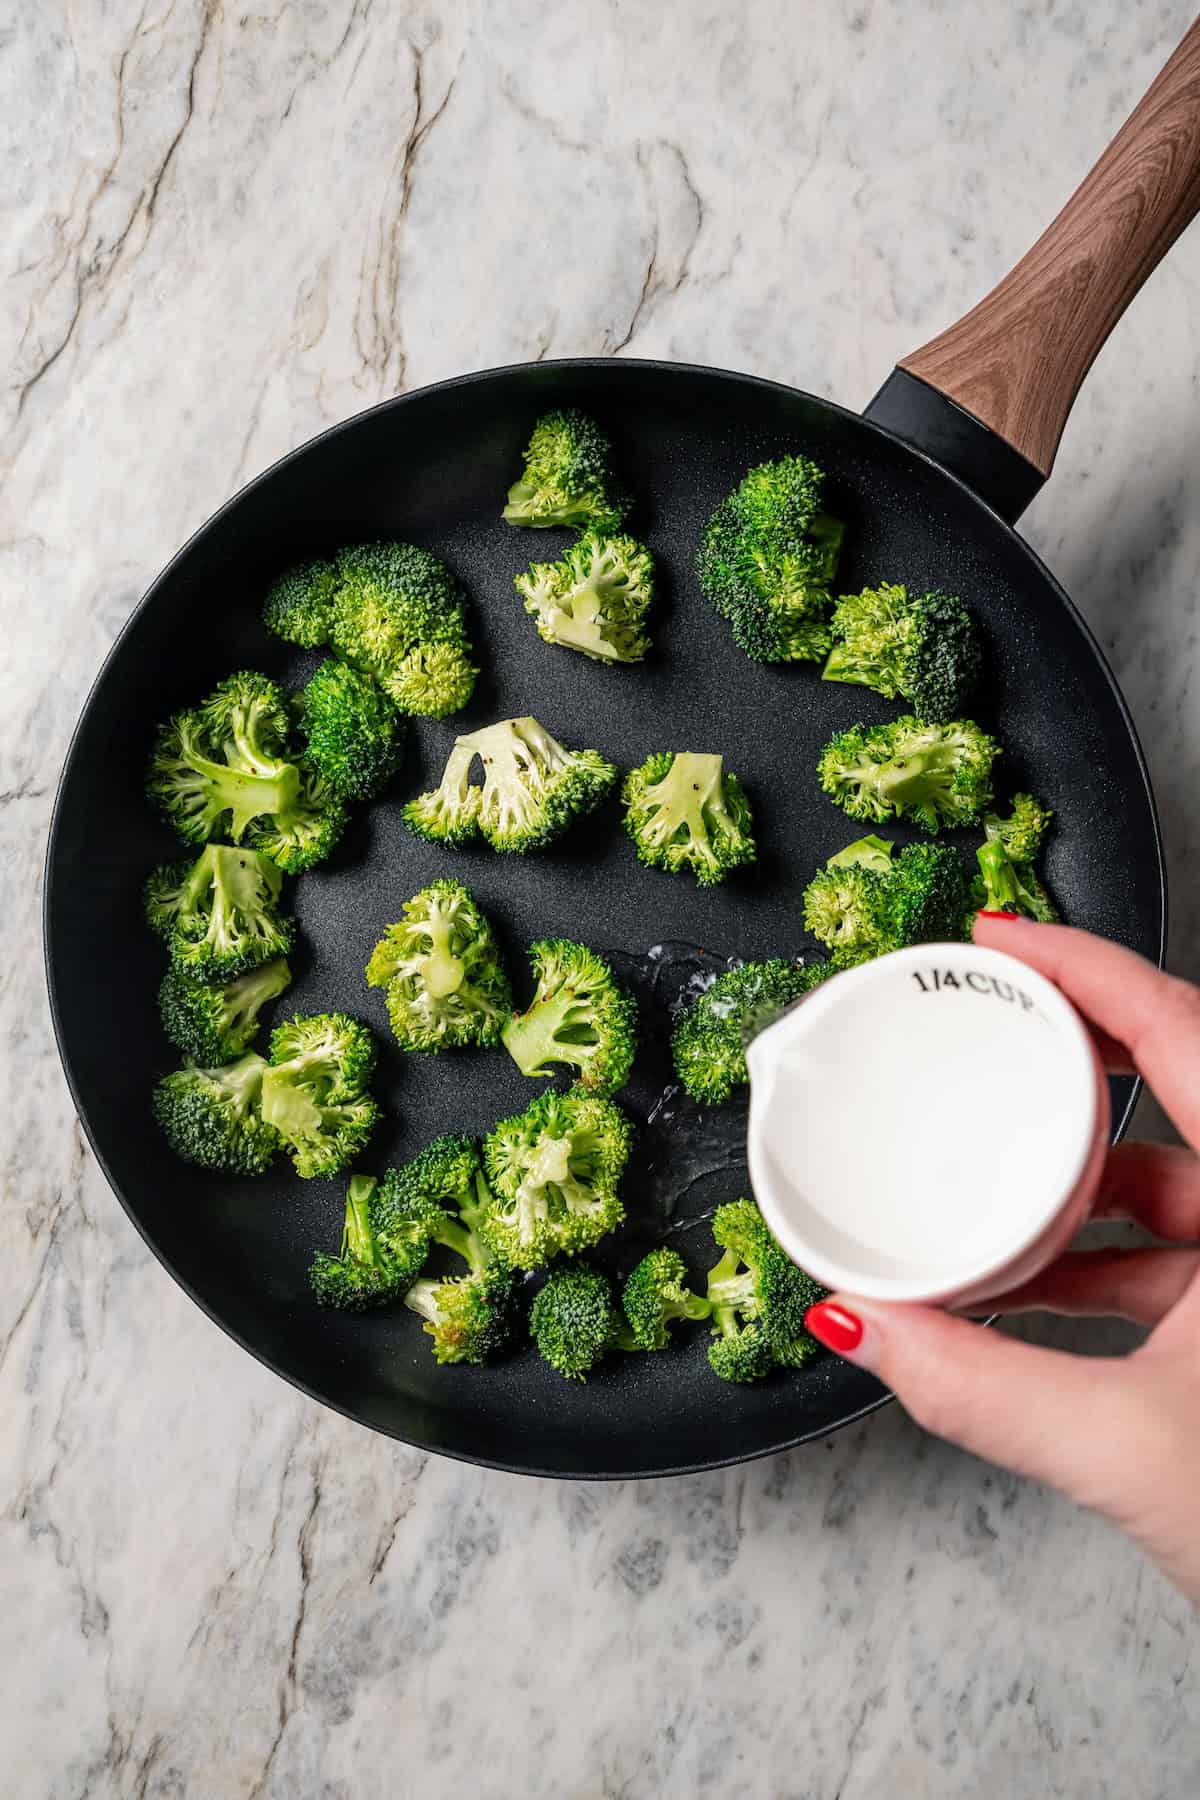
pixel 1120 1435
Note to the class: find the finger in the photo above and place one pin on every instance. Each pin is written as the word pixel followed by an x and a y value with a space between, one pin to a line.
pixel 1139 1285
pixel 1155 1015
pixel 1062 1419
pixel 1156 1184
pixel 1113 1056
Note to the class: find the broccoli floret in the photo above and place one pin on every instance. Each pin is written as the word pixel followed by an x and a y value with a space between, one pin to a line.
pixel 425 1203
pixel 219 915
pixel 398 615
pixel 684 812
pixel 927 891
pixel 1023 833
pixel 299 606
pixel 213 1025
pixel 367 1272
pixel 533 787
pixel 767 561
pixel 924 649
pixel 352 731
pixel 846 903
pixel 864 904
pixel 575 1321
pixel 1008 880
pixel 657 1294
pixel 438 1198
pixel 553 1171
pixel 212 1117
pixel 567 478
pixel 441 971
pixel 936 774
pixel 224 767
pixel 471 1318
pixel 391 610
pixel 315 1091
pixel 709 1042
pixel 216 769
pixel 594 599
pixel 759 1299
pixel 580 1016
pixel 441 1197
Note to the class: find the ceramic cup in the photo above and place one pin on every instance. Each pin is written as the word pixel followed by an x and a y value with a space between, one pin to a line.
pixel 930 1126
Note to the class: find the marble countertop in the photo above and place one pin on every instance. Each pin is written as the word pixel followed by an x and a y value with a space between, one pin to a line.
pixel 225 228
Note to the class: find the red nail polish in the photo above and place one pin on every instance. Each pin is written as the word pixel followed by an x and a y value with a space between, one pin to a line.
pixel 834 1327
pixel 985 914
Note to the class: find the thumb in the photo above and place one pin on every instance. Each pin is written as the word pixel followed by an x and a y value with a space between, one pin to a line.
pixel 1066 1420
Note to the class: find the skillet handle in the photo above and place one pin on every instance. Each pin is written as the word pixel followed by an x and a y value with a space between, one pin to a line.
pixel 1014 364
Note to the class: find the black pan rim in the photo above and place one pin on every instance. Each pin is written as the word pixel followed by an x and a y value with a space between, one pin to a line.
pixel 51 871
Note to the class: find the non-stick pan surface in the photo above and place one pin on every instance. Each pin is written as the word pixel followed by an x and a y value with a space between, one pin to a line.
pixel 433 466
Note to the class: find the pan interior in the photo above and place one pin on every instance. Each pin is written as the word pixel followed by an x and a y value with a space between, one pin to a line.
pixel 434 467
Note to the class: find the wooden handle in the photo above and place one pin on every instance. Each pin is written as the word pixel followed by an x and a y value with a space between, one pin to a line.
pixel 1017 359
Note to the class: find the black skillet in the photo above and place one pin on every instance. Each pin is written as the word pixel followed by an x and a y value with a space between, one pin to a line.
pixel 928 486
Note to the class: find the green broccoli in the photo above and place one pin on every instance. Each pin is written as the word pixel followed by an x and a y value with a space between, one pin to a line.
pixel 684 812
pixel 224 768
pixel 554 1171
pixel 936 774
pixel 299 605
pixel 219 915
pixel 1008 880
pixel 863 904
pixel 469 1317
pixel 579 1016
pixel 442 1198
pixel 767 561
pixel 367 1272
pixel 212 1117
pixel 656 1294
pixel 533 788
pixel 427 1202
pixel 213 1025
pixel 441 971
pixel 217 768
pixel 390 610
pixel 924 649
pixel 398 614
pixel 759 1299
pixel 575 1321
pixel 315 1091
pixel 352 731
pixel 567 478
pixel 709 1041
pixel 594 599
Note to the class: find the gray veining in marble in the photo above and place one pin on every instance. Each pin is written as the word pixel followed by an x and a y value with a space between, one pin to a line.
pixel 225 227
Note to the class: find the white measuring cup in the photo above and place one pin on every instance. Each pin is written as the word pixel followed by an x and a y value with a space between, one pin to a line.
pixel 929 1126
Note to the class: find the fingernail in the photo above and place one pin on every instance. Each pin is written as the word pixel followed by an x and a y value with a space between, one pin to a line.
pixel 834 1327
pixel 985 914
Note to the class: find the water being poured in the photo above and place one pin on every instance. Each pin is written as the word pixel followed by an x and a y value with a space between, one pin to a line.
pixel 688 1158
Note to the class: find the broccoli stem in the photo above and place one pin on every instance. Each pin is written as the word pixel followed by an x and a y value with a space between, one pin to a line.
pixel 843 664
pixel 444 973
pixel 420 1297
pixel 690 791
pixel 534 1039
pixel 464 1243
pixel 692 1306
pixel 246 796
pixel 911 780
pixel 358 1239
pixel 730 1289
